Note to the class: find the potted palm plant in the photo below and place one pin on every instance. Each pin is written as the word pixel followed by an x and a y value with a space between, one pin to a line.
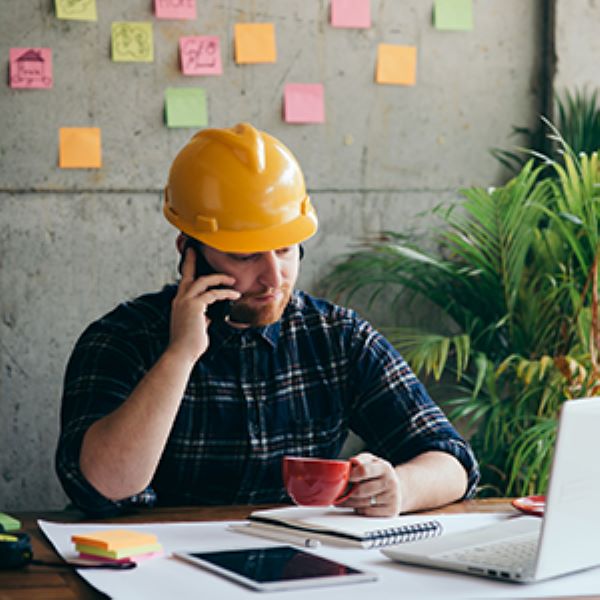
pixel 513 284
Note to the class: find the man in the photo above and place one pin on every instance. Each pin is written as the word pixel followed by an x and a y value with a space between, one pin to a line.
pixel 163 404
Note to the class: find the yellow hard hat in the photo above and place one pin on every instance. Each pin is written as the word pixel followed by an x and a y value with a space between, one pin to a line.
pixel 239 190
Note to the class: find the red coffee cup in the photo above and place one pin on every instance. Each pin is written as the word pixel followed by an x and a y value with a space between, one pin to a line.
pixel 316 481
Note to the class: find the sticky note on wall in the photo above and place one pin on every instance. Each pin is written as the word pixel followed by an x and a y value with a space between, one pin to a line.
pixel 76 10
pixel 132 41
pixel 453 15
pixel 186 107
pixel 396 64
pixel 30 68
pixel 79 148
pixel 255 43
pixel 200 55
pixel 351 13
pixel 304 103
pixel 175 9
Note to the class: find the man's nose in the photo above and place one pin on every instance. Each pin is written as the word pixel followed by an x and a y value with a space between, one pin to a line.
pixel 271 275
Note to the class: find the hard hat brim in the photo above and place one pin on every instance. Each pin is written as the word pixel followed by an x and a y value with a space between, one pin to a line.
pixel 261 240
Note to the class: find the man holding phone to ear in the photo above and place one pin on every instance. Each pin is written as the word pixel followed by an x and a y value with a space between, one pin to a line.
pixel 193 395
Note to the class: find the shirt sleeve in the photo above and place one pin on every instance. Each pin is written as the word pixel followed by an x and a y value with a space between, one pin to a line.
pixel 393 412
pixel 101 373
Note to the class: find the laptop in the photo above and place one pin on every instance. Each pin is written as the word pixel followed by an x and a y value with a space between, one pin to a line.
pixel 527 549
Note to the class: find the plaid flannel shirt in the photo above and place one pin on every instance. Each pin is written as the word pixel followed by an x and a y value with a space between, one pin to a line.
pixel 294 387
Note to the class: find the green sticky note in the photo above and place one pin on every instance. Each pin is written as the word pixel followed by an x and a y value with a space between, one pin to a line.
pixel 453 15
pixel 186 107
pixel 76 10
pixel 132 41
pixel 8 523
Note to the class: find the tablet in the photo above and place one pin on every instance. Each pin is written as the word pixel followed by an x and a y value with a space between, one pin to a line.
pixel 276 568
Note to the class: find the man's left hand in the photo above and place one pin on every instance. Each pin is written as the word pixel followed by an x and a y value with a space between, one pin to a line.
pixel 376 489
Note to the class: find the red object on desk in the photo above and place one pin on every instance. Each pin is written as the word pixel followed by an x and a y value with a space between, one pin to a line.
pixel 531 505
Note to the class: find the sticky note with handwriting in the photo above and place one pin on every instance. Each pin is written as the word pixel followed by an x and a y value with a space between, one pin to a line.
pixel 30 68
pixel 79 148
pixel 354 14
pixel 453 15
pixel 132 41
pixel 304 103
pixel 255 43
pixel 396 65
pixel 76 10
pixel 186 107
pixel 200 55
pixel 175 9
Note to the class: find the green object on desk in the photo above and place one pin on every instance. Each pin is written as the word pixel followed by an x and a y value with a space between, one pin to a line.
pixel 8 523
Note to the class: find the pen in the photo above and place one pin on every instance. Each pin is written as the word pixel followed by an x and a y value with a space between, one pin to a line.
pixel 278 536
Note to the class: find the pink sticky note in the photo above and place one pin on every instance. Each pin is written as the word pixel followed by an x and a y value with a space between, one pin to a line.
pixel 200 55
pixel 304 103
pixel 175 9
pixel 351 13
pixel 30 67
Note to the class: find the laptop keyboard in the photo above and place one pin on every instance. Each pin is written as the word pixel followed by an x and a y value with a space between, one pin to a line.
pixel 517 554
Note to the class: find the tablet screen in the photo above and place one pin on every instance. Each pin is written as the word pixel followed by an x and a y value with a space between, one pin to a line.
pixel 281 563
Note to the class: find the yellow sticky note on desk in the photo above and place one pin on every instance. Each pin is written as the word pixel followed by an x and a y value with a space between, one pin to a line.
pixel 79 148
pixel 112 539
pixel 396 64
pixel 255 43
pixel 132 41
pixel 76 10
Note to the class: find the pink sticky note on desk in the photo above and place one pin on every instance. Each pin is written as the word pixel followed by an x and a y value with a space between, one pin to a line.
pixel 175 9
pixel 351 13
pixel 30 68
pixel 304 103
pixel 200 55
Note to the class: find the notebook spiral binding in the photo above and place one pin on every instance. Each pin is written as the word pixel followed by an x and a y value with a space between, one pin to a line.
pixel 399 535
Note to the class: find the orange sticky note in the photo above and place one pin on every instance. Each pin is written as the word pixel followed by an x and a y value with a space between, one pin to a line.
pixel 255 43
pixel 113 539
pixel 80 148
pixel 396 64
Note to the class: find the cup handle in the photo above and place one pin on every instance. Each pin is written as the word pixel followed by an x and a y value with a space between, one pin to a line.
pixel 345 496
pixel 349 491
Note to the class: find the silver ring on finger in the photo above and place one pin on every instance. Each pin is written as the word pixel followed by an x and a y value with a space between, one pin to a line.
pixel 373 501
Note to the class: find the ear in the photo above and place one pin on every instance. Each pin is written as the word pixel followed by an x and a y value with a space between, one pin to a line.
pixel 180 242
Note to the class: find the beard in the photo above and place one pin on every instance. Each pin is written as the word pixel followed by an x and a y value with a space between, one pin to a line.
pixel 257 314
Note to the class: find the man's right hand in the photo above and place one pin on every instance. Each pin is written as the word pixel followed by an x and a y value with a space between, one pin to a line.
pixel 189 323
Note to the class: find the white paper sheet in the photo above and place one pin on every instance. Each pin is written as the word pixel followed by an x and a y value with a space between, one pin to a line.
pixel 167 577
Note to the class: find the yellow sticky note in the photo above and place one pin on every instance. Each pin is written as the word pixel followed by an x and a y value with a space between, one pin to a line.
pixel 396 64
pixel 132 41
pixel 80 148
pixel 255 43
pixel 76 10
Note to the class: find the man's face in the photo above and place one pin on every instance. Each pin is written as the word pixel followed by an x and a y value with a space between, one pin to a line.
pixel 265 280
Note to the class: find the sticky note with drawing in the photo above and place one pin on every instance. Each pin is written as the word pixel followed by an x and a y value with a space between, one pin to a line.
pixel 200 55
pixel 76 10
pixel 31 68
pixel 132 41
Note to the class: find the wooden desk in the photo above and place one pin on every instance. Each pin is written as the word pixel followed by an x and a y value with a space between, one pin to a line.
pixel 47 583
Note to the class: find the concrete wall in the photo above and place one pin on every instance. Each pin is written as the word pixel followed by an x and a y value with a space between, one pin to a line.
pixel 74 243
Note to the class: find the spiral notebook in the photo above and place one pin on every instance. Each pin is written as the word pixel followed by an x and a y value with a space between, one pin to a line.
pixel 344 527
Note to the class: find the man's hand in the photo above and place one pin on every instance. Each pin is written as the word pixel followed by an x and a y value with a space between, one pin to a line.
pixel 189 324
pixel 376 490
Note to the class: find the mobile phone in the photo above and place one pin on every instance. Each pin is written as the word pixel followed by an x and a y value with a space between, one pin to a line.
pixel 217 311
pixel 276 568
